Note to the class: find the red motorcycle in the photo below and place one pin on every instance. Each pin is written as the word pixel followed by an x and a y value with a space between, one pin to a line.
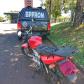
pixel 55 62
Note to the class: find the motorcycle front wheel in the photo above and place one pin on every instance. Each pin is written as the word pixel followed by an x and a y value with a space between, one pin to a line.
pixel 27 52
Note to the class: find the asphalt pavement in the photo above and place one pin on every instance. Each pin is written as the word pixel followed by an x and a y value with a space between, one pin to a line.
pixel 14 67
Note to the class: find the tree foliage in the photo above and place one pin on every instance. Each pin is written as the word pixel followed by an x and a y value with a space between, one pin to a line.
pixel 69 5
pixel 79 12
pixel 1 19
pixel 53 7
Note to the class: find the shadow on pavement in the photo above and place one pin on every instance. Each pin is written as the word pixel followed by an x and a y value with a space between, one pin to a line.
pixel 14 68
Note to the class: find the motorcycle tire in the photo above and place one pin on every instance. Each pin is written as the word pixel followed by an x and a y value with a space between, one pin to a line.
pixel 27 52
pixel 19 38
pixel 53 78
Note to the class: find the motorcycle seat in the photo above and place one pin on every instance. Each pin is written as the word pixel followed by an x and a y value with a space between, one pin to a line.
pixel 48 50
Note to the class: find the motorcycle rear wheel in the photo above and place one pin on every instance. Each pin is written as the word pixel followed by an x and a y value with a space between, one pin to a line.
pixel 52 78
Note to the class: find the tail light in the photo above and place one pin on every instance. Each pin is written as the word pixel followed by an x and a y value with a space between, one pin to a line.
pixel 49 26
pixel 19 26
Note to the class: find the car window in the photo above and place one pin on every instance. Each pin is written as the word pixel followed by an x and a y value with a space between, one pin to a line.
pixel 34 14
pixel 28 13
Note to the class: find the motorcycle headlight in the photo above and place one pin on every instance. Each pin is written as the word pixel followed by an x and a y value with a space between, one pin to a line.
pixel 19 33
pixel 24 24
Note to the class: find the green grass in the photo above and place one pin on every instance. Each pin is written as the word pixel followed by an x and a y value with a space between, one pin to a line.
pixel 64 34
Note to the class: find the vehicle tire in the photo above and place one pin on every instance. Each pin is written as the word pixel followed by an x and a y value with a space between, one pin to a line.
pixel 44 37
pixel 53 78
pixel 27 52
pixel 19 38
pixel 72 78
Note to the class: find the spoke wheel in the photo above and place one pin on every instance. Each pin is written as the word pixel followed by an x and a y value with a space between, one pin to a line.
pixel 52 78
pixel 27 52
